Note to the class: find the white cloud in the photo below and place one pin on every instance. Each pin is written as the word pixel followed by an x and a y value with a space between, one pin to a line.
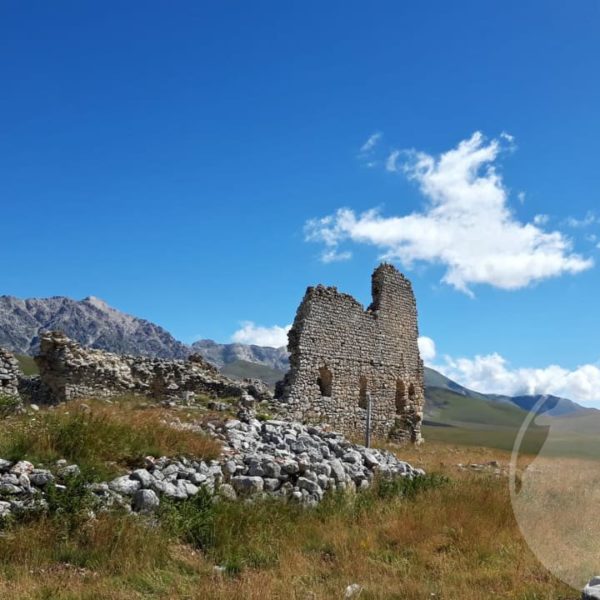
pixel 250 333
pixel 541 220
pixel 493 374
pixel 332 255
pixel 590 218
pixel 427 349
pixel 369 145
pixel 391 163
pixel 466 224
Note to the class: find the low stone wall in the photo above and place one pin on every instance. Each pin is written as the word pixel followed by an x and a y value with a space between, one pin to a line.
pixel 9 374
pixel 69 371
pixel 280 459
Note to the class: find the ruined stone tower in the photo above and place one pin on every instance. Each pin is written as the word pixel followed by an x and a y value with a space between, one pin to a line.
pixel 340 352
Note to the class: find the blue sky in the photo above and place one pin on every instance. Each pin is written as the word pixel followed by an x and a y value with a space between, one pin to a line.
pixel 168 158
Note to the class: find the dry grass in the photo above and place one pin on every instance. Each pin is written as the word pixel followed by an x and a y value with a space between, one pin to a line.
pixel 101 438
pixel 455 541
pixel 556 506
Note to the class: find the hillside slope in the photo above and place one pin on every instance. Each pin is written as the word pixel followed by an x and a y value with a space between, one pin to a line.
pixel 242 369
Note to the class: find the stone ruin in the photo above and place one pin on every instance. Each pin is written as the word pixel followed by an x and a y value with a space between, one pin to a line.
pixel 340 353
pixel 68 371
pixel 9 374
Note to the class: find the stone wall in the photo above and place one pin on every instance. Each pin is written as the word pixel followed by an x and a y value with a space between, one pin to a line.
pixel 340 353
pixel 69 371
pixel 10 373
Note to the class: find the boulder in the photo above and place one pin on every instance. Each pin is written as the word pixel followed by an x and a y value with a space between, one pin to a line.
pixel 145 501
pixel 143 476
pixel 246 485
pixel 41 477
pixel 125 485
pixel 23 467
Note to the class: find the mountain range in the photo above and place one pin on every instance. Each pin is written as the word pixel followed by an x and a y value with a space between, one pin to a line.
pixel 92 322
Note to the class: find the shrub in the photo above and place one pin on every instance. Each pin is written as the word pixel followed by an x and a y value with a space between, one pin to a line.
pixel 70 506
pixel 8 405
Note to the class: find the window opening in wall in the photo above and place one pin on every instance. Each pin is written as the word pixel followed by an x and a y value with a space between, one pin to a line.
pixel 400 396
pixel 362 394
pixel 412 394
pixel 325 381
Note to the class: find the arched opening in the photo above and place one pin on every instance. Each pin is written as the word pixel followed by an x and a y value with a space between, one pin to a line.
pixel 325 381
pixel 362 394
pixel 400 396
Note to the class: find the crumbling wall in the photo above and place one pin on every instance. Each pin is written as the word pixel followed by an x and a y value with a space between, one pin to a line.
pixel 69 371
pixel 341 353
pixel 10 372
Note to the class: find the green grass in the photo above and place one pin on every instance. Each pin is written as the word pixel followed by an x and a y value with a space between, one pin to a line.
pixel 101 438
pixel 448 535
pixel 446 406
pixel 435 537
pixel 495 438
pixel 8 405
pixel 239 537
pixel 27 364
pixel 241 369
pixel 457 419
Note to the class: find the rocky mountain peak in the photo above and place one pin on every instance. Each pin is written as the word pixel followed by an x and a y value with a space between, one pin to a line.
pixel 98 303
pixel 91 322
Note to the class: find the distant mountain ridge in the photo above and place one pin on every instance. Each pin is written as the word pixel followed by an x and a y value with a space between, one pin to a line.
pixel 224 354
pixel 546 404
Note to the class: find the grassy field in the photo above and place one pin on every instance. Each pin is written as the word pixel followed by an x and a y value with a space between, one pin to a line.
pixel 454 536
pixel 458 419
pixel 27 364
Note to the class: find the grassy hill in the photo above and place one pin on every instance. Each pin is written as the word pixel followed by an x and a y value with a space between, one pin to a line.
pixel 456 414
pixel 476 421
pixel 448 407
pixel 241 369
pixel 434 379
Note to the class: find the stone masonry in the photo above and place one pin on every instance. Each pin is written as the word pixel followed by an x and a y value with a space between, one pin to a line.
pixel 69 371
pixel 9 374
pixel 340 353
